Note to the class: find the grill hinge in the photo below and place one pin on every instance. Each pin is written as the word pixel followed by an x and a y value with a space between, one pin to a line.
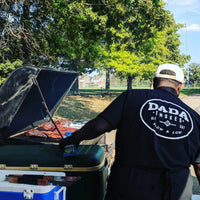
pixel 68 166
pixel 2 166
pixel 34 166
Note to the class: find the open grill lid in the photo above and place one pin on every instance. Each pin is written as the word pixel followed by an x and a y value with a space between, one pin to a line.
pixel 21 104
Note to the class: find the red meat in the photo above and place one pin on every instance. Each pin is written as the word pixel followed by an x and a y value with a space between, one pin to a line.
pixel 47 126
pixel 35 133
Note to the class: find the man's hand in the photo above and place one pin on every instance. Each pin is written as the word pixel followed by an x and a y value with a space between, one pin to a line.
pixel 90 130
pixel 69 140
pixel 65 141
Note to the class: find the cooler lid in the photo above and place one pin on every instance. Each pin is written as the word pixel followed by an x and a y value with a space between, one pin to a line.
pixel 21 104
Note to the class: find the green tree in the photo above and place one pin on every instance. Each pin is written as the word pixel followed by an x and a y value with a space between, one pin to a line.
pixel 83 34
pixel 6 68
pixel 124 63
pixel 75 33
pixel 45 32
pixel 130 24
pixel 164 48
pixel 142 59
pixel 20 28
pixel 194 74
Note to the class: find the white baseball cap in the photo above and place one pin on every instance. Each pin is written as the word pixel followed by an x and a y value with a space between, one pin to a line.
pixel 179 75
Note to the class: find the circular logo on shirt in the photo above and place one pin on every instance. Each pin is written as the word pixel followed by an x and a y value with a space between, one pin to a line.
pixel 166 119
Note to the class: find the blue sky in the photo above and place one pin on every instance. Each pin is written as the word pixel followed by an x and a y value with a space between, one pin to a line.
pixel 187 12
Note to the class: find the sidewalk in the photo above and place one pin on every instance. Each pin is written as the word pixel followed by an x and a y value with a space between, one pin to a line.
pixel 194 102
pixel 195 197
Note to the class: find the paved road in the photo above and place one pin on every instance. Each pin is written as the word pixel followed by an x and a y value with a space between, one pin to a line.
pixel 194 102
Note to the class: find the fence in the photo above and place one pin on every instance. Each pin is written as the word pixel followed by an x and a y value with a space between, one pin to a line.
pixel 98 81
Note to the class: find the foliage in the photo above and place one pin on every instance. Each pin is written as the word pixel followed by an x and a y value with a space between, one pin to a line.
pixel 132 22
pixel 7 67
pixel 22 23
pixel 124 62
pixel 45 32
pixel 75 32
pixel 194 73
pixel 131 37
pixel 142 60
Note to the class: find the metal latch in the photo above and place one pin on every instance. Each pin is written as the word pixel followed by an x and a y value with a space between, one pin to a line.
pixel 28 194
pixel 68 166
pixel 34 166
pixel 2 166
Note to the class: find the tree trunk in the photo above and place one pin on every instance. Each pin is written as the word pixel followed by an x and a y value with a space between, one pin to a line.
pixel 25 24
pixel 129 82
pixel 107 81
pixel 26 53
pixel 75 87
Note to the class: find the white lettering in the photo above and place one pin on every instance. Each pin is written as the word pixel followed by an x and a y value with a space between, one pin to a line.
pixel 173 111
pixel 166 119
pixel 182 127
pixel 184 116
pixel 153 118
pixel 153 106
pixel 163 109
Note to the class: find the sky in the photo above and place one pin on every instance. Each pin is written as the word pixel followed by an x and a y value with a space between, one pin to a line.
pixel 187 12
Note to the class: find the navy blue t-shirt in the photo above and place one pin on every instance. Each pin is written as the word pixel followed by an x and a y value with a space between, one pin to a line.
pixel 155 129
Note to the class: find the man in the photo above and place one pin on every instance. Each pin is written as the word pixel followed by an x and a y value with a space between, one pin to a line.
pixel 158 137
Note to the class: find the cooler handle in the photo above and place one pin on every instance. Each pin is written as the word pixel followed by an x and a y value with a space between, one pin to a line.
pixel 57 193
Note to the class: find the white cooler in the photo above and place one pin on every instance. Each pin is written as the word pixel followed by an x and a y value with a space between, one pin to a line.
pixel 16 191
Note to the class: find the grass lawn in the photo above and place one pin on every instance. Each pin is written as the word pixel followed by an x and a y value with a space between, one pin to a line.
pixel 83 107
pixel 186 91
pixel 90 103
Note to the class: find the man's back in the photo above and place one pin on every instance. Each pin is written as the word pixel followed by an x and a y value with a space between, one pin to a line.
pixel 157 139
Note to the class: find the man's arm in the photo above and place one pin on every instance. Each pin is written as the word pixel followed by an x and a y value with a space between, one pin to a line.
pixel 90 130
pixel 104 122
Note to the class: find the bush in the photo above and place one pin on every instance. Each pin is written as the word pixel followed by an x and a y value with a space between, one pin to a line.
pixel 7 68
